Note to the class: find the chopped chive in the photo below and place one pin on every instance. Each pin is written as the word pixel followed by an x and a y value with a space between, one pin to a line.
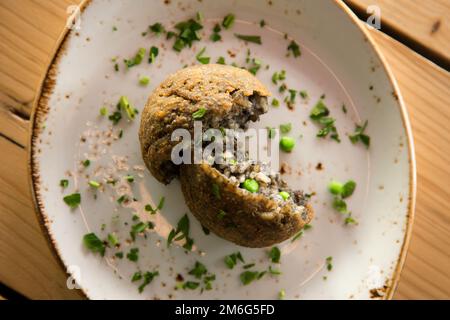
pixel 297 236
pixel 202 59
pixel 94 184
pixel 249 38
pixel 86 163
pixel 136 60
pixel 199 113
pixel 228 21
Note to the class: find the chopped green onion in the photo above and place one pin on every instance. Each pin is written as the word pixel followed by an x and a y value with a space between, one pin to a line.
pixel 249 38
pixel 228 21
pixel 199 113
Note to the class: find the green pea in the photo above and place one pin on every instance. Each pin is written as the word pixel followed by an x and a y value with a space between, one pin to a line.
pixel 287 144
pixel 284 195
pixel 251 185
pixel 336 187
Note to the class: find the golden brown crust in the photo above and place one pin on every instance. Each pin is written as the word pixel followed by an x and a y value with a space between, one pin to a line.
pixel 250 220
pixel 172 104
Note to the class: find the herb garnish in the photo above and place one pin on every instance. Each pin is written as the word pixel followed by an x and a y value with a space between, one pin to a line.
pixel 181 232
pixel 359 135
pixel 340 192
pixel 249 276
pixel 329 263
pixel 187 34
pixel 115 117
pixel 94 184
pixel 72 200
pixel 103 111
pixel 285 128
pixel 320 114
pixel 125 105
pixel 93 243
pixel 228 21
pixel 199 113
pixel 133 254
pixel 199 270
pixel 137 228
pixel 278 76
pixel 215 36
pixel 113 240
pixel 136 60
pixel 157 28
pixel 231 260
pixel 152 54
pixel 220 60
pixel 275 102
pixel 249 38
pixel 275 255
pixel 294 48
pixel 86 163
pixel 274 272
pixel 148 278
pixel 202 59
pixel 150 209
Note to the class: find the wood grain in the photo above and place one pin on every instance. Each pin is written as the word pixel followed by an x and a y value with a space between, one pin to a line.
pixel 26 264
pixel 425 23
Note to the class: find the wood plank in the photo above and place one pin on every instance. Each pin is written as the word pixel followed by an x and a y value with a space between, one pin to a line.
pixel 28 265
pixel 29 30
pixel 423 22
pixel 425 88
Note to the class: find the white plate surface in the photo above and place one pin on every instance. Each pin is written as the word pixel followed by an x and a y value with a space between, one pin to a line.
pixel 337 60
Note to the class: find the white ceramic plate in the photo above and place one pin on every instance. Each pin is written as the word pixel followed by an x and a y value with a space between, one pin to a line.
pixel 338 59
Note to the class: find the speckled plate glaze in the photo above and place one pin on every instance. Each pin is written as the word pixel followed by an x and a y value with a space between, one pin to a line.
pixel 338 59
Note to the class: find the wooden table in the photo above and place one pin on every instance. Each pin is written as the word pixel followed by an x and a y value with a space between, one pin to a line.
pixel 29 30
